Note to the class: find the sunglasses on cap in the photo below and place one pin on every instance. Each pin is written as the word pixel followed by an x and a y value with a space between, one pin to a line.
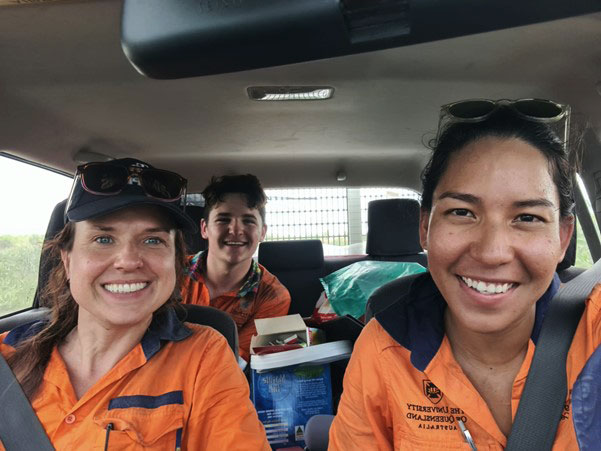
pixel 476 110
pixel 106 179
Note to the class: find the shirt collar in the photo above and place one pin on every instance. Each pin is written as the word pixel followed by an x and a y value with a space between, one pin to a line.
pixel 198 263
pixel 165 326
pixel 416 320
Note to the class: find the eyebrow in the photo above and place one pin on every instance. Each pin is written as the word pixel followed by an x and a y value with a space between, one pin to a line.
pixel 538 202
pixel 104 228
pixel 229 215
pixel 474 200
pixel 468 198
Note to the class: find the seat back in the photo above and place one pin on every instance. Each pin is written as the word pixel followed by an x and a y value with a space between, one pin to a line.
pixel 215 318
pixel 55 225
pixel 298 264
pixel 393 231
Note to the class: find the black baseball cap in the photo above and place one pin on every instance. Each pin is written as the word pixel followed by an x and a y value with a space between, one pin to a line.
pixel 83 204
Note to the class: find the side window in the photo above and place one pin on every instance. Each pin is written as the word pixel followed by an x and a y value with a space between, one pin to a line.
pixel 29 193
pixel 583 254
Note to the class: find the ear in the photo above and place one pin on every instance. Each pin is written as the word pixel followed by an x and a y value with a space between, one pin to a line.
pixel 566 228
pixel 65 258
pixel 424 225
pixel 263 232
pixel 203 229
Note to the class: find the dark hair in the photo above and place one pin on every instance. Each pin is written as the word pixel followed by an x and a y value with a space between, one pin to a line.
pixel 247 185
pixel 504 122
pixel 29 361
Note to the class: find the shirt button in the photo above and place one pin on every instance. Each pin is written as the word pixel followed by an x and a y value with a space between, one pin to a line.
pixel 70 419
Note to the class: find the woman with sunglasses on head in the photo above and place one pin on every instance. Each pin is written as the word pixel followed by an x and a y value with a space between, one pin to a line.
pixel 444 366
pixel 113 367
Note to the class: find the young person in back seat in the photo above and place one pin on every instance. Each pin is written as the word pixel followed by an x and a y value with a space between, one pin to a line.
pixel 444 367
pixel 113 367
pixel 226 276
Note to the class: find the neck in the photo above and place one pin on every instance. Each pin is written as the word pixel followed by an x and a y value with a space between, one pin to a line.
pixel 222 277
pixel 496 349
pixel 92 349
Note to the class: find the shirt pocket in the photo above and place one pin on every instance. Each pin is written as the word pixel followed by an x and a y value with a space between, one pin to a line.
pixel 142 422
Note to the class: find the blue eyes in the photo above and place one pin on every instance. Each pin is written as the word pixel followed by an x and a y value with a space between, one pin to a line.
pixel 153 241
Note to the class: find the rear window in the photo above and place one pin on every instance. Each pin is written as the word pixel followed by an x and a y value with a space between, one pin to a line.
pixel 336 216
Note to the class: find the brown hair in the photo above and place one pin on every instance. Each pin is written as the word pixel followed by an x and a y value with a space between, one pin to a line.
pixel 29 361
pixel 247 185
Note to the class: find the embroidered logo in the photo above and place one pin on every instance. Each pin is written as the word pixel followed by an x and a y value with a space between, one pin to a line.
pixel 432 392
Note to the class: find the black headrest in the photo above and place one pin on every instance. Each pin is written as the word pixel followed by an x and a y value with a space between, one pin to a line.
pixel 393 227
pixel 55 225
pixel 291 255
pixel 194 241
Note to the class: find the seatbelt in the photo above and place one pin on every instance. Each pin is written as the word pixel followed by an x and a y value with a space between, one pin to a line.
pixel 20 427
pixel 544 396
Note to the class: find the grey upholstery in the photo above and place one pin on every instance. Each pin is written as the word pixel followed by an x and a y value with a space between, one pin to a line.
pixel 298 265
pixel 316 432
pixel 387 294
pixel 215 318
pixel 393 231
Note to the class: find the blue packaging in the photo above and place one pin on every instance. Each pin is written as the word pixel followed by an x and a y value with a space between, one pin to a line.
pixel 285 399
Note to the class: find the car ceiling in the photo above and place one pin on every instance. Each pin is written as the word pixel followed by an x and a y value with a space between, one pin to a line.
pixel 66 88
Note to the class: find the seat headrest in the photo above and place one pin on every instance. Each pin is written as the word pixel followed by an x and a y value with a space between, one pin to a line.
pixel 291 255
pixel 393 227
pixel 194 241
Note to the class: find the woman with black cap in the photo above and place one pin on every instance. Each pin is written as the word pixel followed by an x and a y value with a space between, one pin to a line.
pixel 114 367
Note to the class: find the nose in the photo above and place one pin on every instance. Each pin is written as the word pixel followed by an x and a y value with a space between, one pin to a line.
pixel 492 244
pixel 235 227
pixel 128 257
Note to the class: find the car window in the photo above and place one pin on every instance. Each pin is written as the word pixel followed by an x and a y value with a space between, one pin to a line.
pixel 25 214
pixel 336 216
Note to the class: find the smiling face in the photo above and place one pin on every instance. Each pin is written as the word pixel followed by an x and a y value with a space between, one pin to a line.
pixel 494 234
pixel 233 230
pixel 121 267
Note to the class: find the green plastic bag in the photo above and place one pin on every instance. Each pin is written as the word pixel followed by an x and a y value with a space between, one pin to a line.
pixel 349 288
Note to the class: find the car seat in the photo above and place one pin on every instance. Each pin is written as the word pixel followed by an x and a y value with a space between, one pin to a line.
pixel 298 264
pixel 393 231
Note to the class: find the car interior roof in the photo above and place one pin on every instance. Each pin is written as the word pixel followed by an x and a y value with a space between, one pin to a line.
pixel 68 93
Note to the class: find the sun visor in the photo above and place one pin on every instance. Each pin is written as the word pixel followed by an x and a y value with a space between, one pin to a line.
pixel 186 38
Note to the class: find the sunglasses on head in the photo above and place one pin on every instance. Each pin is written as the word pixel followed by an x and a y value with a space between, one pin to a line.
pixel 475 110
pixel 106 179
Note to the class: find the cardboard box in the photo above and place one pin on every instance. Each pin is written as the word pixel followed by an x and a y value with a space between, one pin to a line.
pixel 271 329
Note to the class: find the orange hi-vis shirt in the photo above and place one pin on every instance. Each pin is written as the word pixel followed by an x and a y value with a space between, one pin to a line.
pixel 404 390
pixel 261 296
pixel 179 388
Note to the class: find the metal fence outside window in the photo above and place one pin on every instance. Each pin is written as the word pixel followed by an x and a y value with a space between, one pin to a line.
pixel 336 216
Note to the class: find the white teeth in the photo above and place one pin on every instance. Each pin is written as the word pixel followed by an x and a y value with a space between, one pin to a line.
pixel 125 287
pixel 234 243
pixel 486 288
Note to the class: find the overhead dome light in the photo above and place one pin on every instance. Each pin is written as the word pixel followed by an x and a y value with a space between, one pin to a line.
pixel 280 93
